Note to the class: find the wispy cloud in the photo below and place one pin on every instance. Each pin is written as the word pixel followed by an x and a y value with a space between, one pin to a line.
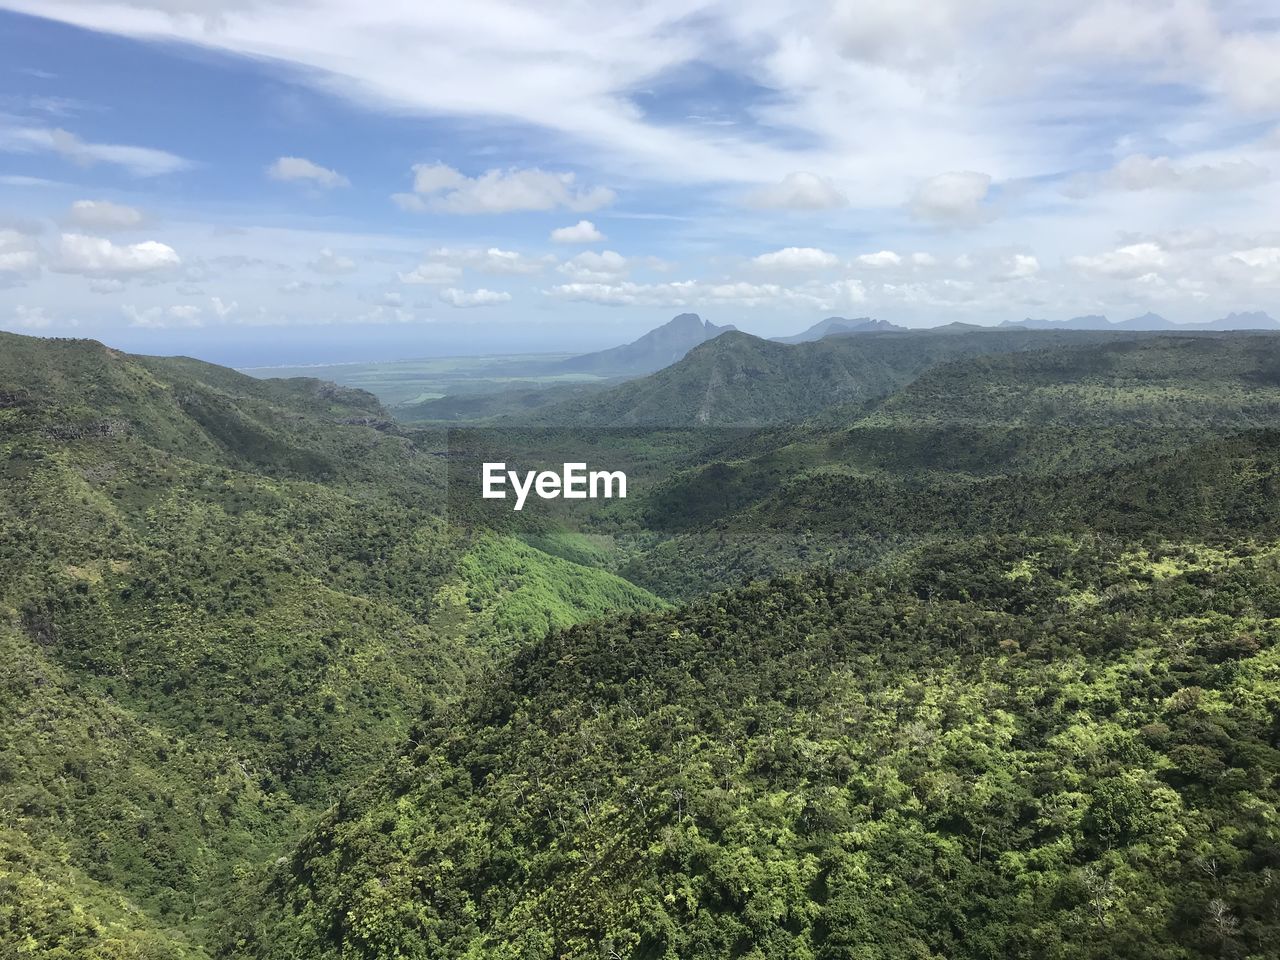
pixel 139 161
pixel 439 187
pixel 300 169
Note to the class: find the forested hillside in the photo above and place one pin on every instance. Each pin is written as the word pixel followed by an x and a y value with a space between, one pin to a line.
pixel 222 601
pixel 1004 747
pixel 952 644
pixel 1156 434
pixel 737 380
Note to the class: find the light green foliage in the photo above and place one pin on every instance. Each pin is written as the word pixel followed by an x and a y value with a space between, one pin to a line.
pixel 938 760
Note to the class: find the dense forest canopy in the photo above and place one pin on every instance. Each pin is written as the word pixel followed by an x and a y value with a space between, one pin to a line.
pixel 957 644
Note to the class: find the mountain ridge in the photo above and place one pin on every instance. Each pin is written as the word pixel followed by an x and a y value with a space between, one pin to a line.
pixel 660 347
pixel 839 326
pixel 1247 320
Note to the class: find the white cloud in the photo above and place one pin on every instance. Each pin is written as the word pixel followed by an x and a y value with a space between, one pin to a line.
pixel 160 318
pixel 851 291
pixel 1131 261
pixel 18 252
pixel 956 197
pixel 473 298
pixel 139 161
pixel 1249 69
pixel 884 258
pixel 431 178
pixel 384 314
pixel 872 96
pixel 443 189
pixel 1255 264
pixel 445 264
pixel 584 231
pixel 1018 266
pixel 496 260
pixel 104 215
pixel 223 309
pixel 798 191
pixel 432 272
pixel 924 260
pixel 796 258
pixel 332 264
pixel 682 293
pixel 607 265
pixel 625 293
pixel 80 253
pixel 1141 172
pixel 30 318
pixel 292 169
pixel 306 286
pixel 17 180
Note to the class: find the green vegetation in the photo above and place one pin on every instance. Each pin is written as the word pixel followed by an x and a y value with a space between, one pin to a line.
pixel 952 644
pixel 1002 748
pixel 223 600
pixel 737 380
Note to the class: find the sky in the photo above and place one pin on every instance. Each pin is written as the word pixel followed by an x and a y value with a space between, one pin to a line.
pixel 263 182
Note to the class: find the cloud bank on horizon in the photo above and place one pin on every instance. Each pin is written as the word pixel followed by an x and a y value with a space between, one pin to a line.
pixel 567 172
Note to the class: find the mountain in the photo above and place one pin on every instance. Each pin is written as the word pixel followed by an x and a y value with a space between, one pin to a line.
pixel 1151 321
pixel 1255 320
pixel 966 646
pixel 1019 441
pixel 839 325
pixel 223 599
pixel 1148 321
pixel 658 348
pixel 1006 747
pixel 1089 322
pixel 741 380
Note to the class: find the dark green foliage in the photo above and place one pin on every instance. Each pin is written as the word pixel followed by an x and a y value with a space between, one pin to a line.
pixel 740 380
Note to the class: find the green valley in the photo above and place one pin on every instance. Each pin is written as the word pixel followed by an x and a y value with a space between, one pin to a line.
pixel 904 644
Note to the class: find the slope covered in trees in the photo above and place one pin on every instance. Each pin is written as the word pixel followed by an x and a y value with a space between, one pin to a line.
pixel 1001 748
pixel 737 380
pixel 221 601
pixel 277 684
pixel 1161 433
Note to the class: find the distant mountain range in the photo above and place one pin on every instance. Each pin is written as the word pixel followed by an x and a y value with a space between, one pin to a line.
pixel 658 348
pixel 669 343
pixel 839 326
pixel 1256 320
pixel 741 380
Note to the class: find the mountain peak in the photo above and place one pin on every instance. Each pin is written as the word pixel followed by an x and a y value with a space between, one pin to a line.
pixel 839 326
pixel 1148 321
pixel 683 322
pixel 658 348
pixel 1246 320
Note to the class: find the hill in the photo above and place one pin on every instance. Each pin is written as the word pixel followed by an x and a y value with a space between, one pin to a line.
pixel 740 380
pixel 1007 747
pixel 1152 321
pixel 839 326
pixel 658 348
pixel 223 600
pixel 277 684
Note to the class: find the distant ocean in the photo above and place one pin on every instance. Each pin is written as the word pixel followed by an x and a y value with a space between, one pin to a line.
pixel 278 347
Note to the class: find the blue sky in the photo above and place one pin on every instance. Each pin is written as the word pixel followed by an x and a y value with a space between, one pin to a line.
pixel 273 181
